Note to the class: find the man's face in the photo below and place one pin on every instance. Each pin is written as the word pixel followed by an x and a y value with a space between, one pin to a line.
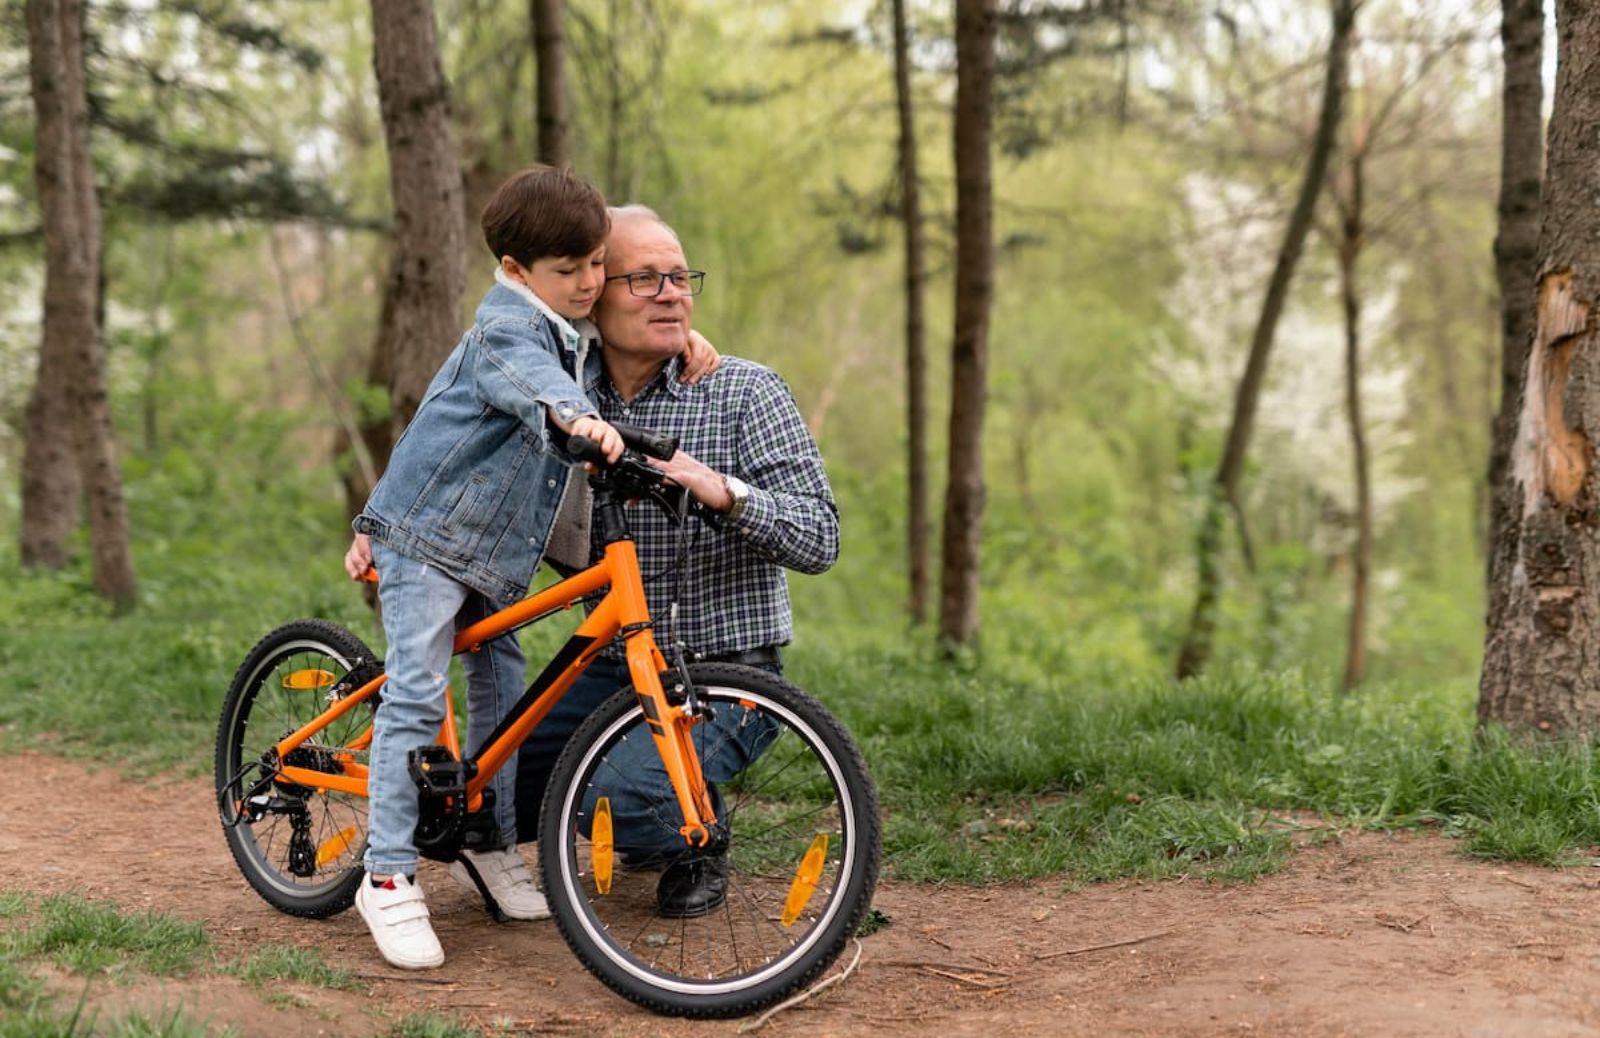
pixel 640 325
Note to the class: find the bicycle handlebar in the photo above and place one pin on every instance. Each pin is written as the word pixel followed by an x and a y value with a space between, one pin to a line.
pixel 647 441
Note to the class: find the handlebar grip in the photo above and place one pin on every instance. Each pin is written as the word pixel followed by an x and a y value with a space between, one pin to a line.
pixel 647 441
pixel 585 449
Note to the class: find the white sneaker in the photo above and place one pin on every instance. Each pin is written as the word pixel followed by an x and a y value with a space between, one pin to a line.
pixel 398 919
pixel 506 877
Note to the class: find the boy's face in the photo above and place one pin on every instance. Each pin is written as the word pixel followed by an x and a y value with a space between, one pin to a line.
pixel 569 285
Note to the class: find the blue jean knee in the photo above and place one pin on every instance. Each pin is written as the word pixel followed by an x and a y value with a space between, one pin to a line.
pixel 644 809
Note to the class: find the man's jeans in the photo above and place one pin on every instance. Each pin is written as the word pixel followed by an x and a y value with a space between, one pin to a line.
pixel 422 611
pixel 644 809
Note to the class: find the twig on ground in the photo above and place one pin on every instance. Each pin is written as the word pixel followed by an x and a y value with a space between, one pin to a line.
pixel 917 964
pixel 974 978
pixel 820 985
pixel 1394 922
pixel 1102 947
pixel 408 979
pixel 1524 884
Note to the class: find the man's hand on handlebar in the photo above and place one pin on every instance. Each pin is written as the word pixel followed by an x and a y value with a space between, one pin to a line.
pixel 705 484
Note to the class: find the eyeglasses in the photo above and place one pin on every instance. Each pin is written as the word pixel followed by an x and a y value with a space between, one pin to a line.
pixel 648 283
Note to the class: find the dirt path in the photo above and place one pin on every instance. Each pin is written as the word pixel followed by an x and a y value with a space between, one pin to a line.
pixel 1369 934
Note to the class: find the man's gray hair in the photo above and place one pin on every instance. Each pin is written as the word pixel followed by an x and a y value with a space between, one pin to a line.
pixel 635 211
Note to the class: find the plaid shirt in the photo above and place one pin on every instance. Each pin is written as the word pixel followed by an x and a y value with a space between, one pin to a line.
pixel 741 421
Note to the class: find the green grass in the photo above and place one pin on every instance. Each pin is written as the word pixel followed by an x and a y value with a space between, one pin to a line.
pixel 431 1025
pixel 95 940
pixel 84 937
pixel 301 965
pixel 1061 748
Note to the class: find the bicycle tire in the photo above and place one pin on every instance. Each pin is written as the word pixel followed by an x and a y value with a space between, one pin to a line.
pixel 803 787
pixel 261 708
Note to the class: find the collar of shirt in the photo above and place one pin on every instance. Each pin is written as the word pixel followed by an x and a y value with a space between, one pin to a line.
pixel 569 334
pixel 666 379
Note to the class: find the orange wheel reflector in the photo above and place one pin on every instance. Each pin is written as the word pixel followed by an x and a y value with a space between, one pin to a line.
pixel 308 680
pixel 601 849
pixel 805 879
pixel 748 704
pixel 335 845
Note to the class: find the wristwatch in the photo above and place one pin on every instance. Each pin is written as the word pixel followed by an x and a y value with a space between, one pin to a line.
pixel 739 490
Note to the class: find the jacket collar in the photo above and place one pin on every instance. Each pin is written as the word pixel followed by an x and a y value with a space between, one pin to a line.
pixel 569 334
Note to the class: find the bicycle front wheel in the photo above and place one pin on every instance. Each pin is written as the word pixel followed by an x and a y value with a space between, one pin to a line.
pixel 300 848
pixel 723 930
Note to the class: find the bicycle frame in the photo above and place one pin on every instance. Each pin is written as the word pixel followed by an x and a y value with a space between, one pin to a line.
pixel 623 610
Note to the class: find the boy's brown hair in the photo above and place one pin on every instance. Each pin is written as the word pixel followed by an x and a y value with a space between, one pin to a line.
pixel 543 211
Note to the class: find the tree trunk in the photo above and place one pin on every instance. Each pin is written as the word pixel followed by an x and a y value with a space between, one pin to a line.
pixel 427 272
pixel 615 96
pixel 1196 649
pixel 1355 663
pixel 916 339
pixel 1517 243
pixel 72 346
pixel 969 351
pixel 1541 666
pixel 51 485
pixel 550 50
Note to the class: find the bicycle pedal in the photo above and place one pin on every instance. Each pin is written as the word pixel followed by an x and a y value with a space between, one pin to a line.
pixel 437 773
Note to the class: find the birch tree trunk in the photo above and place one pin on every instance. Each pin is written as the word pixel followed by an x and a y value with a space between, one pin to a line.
pixel 916 338
pixel 969 352
pixel 72 347
pixel 1516 245
pixel 1541 667
pixel 1196 650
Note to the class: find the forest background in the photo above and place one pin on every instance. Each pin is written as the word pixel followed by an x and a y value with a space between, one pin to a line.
pixel 1146 158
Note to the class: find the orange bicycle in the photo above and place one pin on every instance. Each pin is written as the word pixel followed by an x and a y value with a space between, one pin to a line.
pixel 725 764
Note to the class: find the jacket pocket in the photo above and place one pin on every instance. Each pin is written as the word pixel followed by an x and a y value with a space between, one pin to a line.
pixel 463 515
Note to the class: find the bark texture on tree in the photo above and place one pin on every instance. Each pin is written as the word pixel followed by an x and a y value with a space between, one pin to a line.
pixel 1196 650
pixel 1516 245
pixel 427 272
pixel 550 70
pixel 1541 667
pixel 1352 239
pixel 917 525
pixel 72 347
pixel 969 351
pixel 419 315
pixel 51 484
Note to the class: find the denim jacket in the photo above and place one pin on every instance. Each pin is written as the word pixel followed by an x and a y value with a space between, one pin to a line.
pixel 473 484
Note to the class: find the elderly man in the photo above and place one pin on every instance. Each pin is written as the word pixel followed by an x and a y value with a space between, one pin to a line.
pixel 746 454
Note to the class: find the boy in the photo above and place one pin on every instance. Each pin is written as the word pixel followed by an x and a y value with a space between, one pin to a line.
pixel 457 526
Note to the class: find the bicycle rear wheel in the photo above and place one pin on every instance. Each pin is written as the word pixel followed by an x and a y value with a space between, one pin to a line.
pixel 299 848
pixel 796 844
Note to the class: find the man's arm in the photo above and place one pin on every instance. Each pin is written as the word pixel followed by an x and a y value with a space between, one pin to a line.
pixel 788 514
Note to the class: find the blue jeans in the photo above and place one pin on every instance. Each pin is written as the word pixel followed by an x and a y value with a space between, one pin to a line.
pixel 422 611
pixel 644 809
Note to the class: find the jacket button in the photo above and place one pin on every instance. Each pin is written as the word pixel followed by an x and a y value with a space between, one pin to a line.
pixel 552 482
